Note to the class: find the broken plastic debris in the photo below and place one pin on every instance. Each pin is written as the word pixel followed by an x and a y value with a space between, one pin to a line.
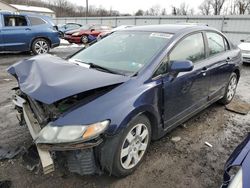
pixel 10 153
pixel 31 159
pixel 208 144
pixel 176 139
pixel 7 79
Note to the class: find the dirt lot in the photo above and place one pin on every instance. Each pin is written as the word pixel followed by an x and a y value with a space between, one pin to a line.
pixel 187 163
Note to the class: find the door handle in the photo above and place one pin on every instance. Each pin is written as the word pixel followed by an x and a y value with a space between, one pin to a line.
pixel 203 71
pixel 27 29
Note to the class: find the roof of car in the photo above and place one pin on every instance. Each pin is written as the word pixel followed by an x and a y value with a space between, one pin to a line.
pixel 166 28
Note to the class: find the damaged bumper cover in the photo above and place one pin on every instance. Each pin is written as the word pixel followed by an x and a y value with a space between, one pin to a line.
pixel 81 151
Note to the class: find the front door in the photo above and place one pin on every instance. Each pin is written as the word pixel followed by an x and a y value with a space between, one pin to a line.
pixel 16 33
pixel 189 90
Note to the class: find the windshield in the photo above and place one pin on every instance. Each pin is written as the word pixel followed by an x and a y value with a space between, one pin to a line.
pixel 124 52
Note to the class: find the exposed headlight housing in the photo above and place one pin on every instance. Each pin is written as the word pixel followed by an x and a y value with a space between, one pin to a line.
pixel 76 34
pixel 71 133
pixel 237 180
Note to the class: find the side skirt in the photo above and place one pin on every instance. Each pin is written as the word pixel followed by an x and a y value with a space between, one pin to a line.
pixel 185 118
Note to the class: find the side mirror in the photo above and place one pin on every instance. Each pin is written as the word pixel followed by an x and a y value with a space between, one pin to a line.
pixel 181 66
pixel 242 40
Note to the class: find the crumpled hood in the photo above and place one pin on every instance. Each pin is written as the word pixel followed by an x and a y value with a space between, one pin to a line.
pixel 48 78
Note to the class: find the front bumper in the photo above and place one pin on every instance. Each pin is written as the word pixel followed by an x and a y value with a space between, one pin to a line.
pixel 82 152
pixel 246 57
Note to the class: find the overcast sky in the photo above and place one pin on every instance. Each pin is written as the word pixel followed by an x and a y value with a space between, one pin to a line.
pixel 131 6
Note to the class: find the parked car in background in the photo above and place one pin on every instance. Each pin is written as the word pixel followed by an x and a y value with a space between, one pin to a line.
pixel 27 32
pixel 67 27
pixel 101 107
pixel 245 49
pixel 237 167
pixel 85 34
pixel 108 32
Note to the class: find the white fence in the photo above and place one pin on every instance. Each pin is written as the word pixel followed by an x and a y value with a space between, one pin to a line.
pixel 235 27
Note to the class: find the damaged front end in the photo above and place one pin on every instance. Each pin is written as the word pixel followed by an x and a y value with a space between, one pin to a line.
pixel 77 142
pixel 73 142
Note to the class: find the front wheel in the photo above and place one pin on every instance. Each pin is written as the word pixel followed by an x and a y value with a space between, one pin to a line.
pixel 85 39
pixel 230 89
pixel 132 146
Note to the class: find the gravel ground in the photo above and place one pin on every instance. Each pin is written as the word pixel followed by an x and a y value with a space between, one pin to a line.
pixel 186 163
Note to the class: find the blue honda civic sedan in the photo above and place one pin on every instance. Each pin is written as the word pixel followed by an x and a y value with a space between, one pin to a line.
pixel 100 108
pixel 27 32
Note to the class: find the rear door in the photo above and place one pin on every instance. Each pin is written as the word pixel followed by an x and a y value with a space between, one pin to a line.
pixel 187 92
pixel 16 33
pixel 220 57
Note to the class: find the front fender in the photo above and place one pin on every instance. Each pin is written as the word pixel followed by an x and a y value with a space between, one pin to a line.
pixel 119 106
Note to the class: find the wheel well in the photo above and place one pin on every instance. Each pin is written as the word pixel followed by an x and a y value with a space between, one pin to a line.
pixel 153 122
pixel 40 38
pixel 237 72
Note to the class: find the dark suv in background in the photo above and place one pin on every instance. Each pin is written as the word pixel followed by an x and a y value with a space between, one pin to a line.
pixel 27 32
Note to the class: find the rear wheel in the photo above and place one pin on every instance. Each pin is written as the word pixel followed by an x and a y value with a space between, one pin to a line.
pixel 40 46
pixel 132 145
pixel 85 39
pixel 230 89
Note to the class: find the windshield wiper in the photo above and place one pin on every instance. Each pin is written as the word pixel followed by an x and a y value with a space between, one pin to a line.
pixel 95 66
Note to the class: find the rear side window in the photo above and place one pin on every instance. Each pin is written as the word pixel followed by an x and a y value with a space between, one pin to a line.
pixel 14 21
pixel 216 43
pixel 190 48
pixel 36 21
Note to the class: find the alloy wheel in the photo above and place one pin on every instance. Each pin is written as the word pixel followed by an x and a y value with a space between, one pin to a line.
pixel 134 146
pixel 231 88
pixel 85 39
pixel 41 47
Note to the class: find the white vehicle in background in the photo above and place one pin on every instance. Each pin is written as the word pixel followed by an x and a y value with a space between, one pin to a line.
pixel 245 49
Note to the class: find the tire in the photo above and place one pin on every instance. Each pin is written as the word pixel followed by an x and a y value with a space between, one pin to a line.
pixel 230 89
pixel 131 144
pixel 40 46
pixel 85 39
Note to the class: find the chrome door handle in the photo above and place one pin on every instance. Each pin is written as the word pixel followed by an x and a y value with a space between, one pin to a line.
pixel 204 71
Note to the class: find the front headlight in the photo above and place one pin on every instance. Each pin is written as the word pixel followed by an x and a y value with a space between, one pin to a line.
pixel 76 34
pixel 71 133
pixel 237 180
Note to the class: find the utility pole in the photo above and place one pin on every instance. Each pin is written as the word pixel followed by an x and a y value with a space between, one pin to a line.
pixel 87 8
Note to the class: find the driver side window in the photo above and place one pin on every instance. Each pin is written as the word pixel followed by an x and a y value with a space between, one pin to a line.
pixel 190 48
